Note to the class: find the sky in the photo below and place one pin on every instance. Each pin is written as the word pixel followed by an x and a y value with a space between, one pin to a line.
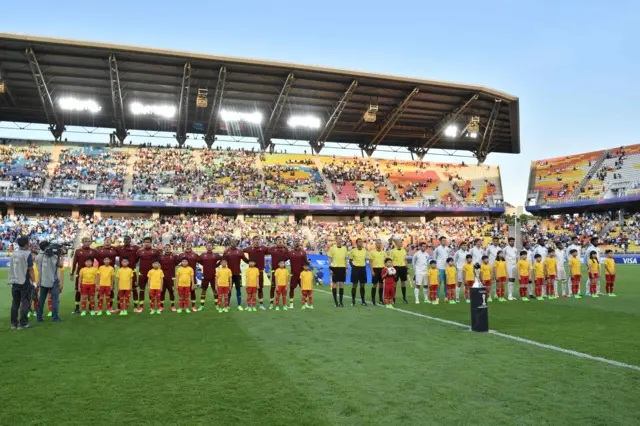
pixel 574 64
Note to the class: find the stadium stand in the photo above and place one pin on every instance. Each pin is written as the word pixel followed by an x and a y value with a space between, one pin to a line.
pixel 356 179
pixel 196 175
pixel 606 174
pixel 60 229
pixel 297 176
pixel 445 184
pixel 89 172
pixel 230 171
pixel 23 168
pixel 165 174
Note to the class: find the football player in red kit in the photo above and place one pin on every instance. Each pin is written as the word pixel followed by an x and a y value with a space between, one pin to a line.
pixel 192 259
pixel 168 263
pixel 297 259
pixel 234 256
pixel 145 255
pixel 107 250
pixel 257 253
pixel 278 253
pixel 130 252
pixel 79 257
pixel 209 261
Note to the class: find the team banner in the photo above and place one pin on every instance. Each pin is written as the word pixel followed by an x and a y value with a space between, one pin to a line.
pixel 202 205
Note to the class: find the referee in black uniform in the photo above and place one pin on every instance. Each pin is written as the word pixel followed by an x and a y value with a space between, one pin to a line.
pixel 358 260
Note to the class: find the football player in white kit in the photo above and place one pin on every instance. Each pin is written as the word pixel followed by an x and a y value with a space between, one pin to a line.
pixel 593 246
pixel 511 255
pixel 440 255
pixel 460 258
pixel 542 250
pixel 420 266
pixel 477 251
pixel 575 245
pixel 492 252
pixel 562 272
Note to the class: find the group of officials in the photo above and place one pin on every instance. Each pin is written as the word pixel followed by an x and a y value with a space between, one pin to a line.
pixel 143 257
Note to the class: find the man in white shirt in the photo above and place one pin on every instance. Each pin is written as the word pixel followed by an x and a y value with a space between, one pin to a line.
pixel 492 252
pixel 460 258
pixel 441 254
pixel 562 272
pixel 593 246
pixel 575 245
pixel 420 263
pixel 511 257
pixel 477 251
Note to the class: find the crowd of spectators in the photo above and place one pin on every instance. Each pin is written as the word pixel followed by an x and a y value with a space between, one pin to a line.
pixel 165 174
pixel 25 167
pixel 233 171
pixel 59 229
pixel 105 169
pixel 283 178
pixel 563 228
pixel 364 175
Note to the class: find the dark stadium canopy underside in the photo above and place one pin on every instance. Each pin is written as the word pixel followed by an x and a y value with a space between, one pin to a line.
pixel 412 113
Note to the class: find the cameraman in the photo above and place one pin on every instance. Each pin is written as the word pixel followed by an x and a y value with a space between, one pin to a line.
pixel 21 275
pixel 49 263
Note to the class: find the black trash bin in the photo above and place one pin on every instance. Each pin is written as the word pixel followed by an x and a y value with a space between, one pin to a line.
pixel 479 309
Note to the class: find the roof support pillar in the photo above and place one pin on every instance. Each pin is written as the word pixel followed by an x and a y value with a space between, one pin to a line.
pixel 324 134
pixel 212 127
pixel 183 107
pixel 272 124
pixel 389 123
pixel 116 99
pixel 56 125
pixel 439 129
pixel 487 135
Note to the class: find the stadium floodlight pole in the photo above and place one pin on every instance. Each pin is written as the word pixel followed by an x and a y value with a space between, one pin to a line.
pixel 324 134
pixel 116 99
pixel 212 127
pixel 389 123
pixel 271 126
pixel 56 126
pixel 183 107
pixel 487 136
pixel 442 125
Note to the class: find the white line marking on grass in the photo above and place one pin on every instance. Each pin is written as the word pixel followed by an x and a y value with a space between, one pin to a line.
pixel 519 339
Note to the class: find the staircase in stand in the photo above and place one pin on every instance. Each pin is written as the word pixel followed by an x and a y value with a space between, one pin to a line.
pixel 392 189
pixel 128 178
pixel 327 183
pixel 55 161
pixel 587 177
pixel 605 230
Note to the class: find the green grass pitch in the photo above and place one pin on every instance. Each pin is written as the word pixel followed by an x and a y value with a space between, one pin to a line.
pixel 345 366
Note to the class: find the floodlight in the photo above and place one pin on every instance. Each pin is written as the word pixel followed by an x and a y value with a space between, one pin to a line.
pixel 230 116
pixel 307 121
pixel 73 104
pixel 166 111
pixel 472 135
pixel 451 131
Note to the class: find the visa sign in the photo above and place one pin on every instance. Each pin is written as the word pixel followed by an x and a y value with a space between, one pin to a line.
pixel 627 259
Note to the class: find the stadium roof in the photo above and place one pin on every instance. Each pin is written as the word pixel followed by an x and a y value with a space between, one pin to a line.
pixel 413 113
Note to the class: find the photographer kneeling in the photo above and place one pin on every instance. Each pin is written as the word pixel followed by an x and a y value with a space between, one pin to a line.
pixel 51 278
